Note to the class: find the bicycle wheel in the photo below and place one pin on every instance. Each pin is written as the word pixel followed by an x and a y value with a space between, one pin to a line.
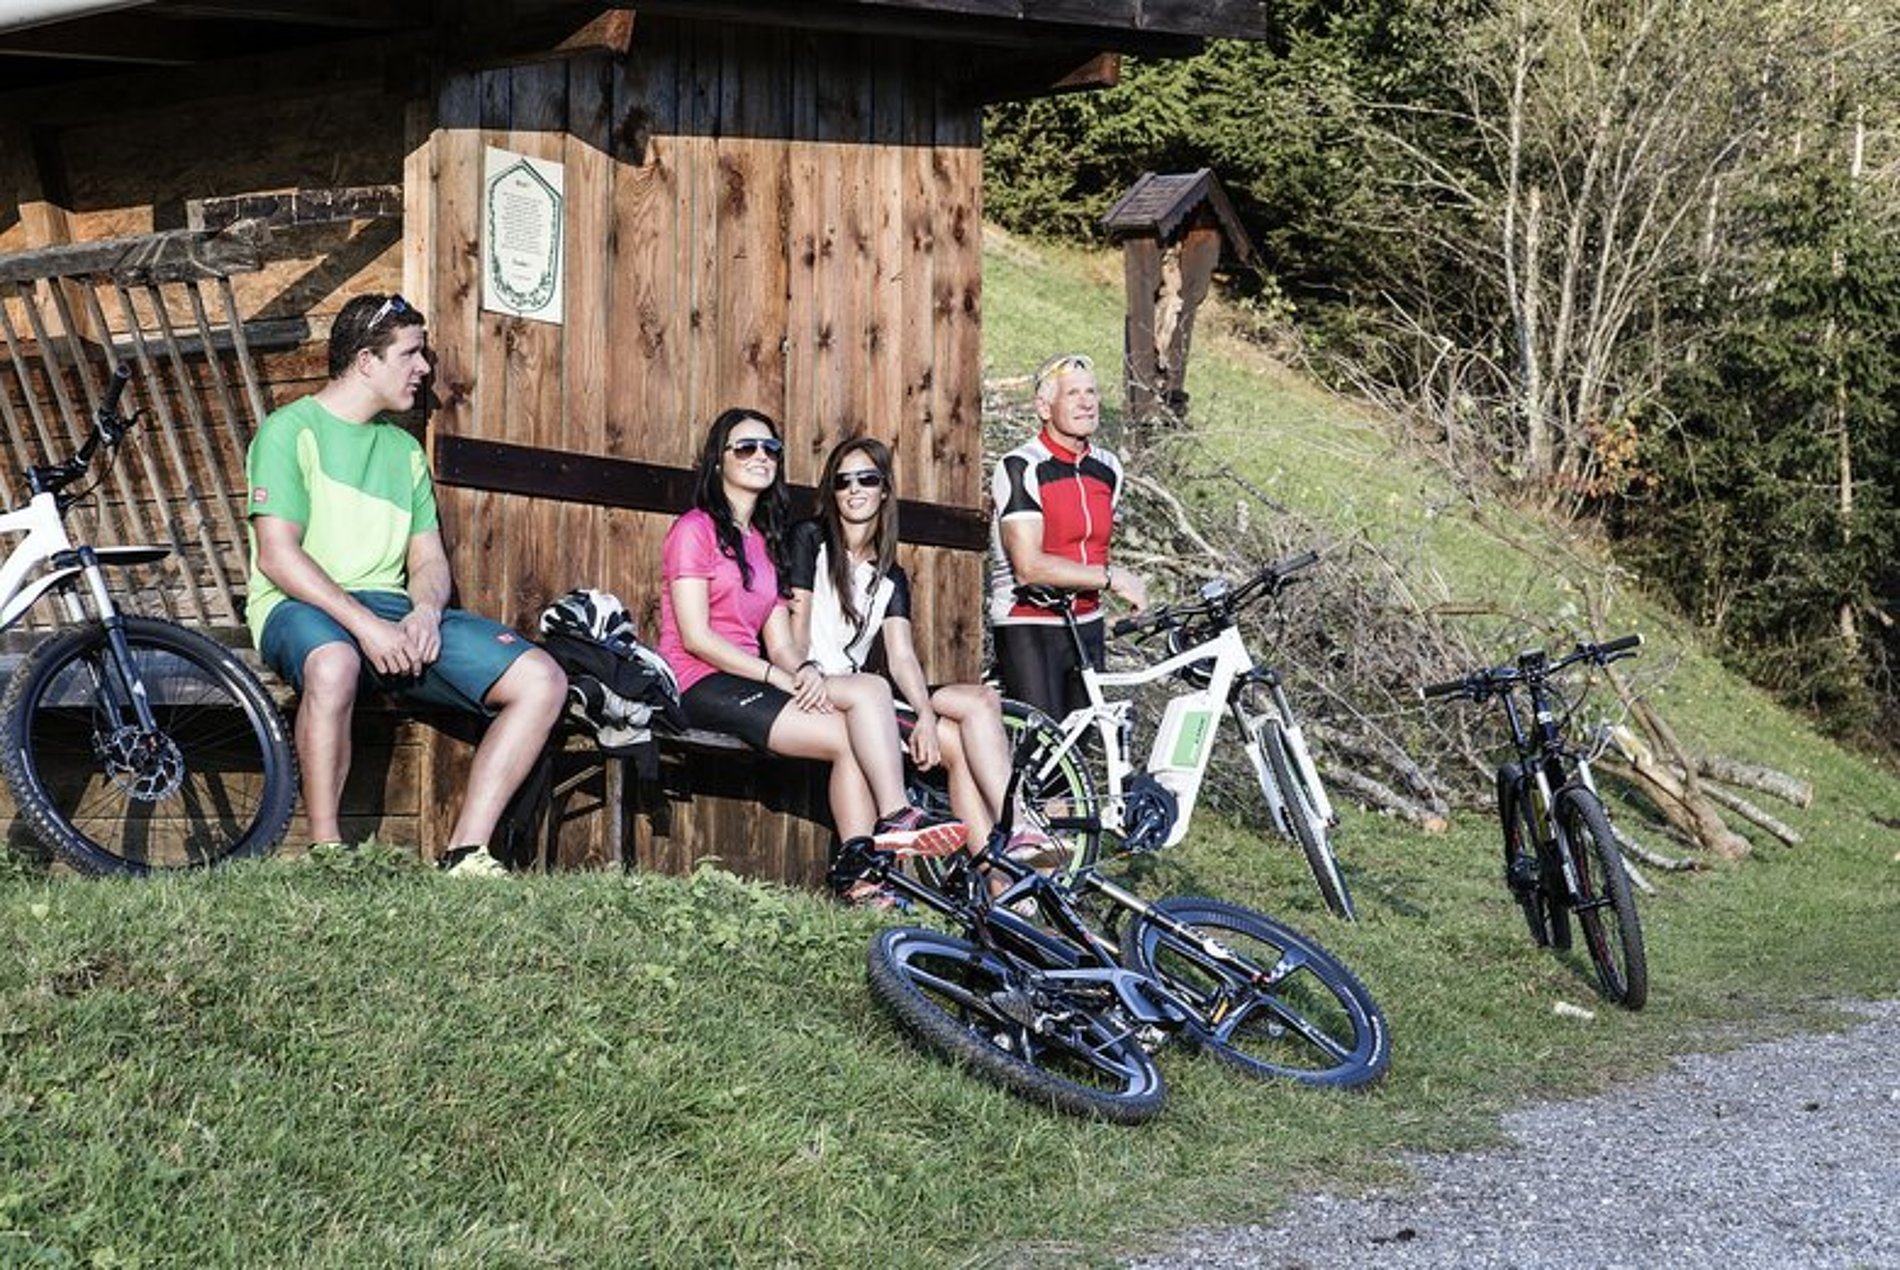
pixel 1303 823
pixel 216 780
pixel 1050 791
pixel 1522 861
pixel 1605 905
pixel 1278 1004
pixel 1013 1026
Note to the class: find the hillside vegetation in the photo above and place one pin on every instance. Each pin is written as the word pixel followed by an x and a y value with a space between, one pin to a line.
pixel 345 1060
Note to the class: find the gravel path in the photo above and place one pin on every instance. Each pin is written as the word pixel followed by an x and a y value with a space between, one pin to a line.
pixel 1781 1154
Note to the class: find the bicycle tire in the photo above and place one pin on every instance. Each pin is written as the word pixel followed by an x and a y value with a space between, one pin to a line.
pixel 1317 1024
pixel 1304 825
pixel 1621 964
pixel 1066 792
pixel 218 781
pixel 1522 859
pixel 969 1005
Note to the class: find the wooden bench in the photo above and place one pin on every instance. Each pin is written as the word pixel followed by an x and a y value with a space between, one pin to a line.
pixel 715 797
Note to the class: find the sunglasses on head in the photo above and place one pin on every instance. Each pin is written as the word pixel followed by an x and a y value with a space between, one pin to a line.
pixel 1062 365
pixel 864 478
pixel 394 304
pixel 746 447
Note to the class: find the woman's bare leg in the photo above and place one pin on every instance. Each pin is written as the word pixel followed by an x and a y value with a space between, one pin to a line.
pixel 826 737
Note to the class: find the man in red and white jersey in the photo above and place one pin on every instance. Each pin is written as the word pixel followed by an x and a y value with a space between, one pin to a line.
pixel 1054 500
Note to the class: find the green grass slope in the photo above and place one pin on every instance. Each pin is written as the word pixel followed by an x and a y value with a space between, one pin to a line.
pixel 348 1061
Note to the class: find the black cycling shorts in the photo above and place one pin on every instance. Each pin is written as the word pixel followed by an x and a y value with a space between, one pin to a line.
pixel 1038 664
pixel 730 703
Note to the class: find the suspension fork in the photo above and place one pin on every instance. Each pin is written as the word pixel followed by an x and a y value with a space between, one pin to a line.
pixel 121 678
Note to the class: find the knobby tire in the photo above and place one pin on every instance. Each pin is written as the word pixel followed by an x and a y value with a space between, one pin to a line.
pixel 1607 915
pixel 1304 823
pixel 1316 1024
pixel 217 780
pixel 1007 1023
pixel 1522 855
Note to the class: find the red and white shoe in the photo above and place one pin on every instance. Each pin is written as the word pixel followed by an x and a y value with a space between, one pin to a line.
pixel 915 832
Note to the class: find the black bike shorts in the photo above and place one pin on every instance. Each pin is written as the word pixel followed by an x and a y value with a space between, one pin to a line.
pixel 1038 664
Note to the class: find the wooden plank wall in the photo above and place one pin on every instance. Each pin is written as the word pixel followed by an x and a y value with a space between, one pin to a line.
pixel 760 217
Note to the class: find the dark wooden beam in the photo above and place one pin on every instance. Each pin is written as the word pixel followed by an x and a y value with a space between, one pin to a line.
pixel 597 481
pixel 1018 77
pixel 392 59
pixel 975 23
pixel 177 255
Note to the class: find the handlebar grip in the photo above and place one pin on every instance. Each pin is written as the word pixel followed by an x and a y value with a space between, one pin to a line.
pixel 1125 626
pixel 1621 644
pixel 109 405
pixel 1293 564
pixel 1450 688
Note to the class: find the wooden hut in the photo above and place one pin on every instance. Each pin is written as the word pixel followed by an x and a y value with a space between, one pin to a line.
pixel 733 202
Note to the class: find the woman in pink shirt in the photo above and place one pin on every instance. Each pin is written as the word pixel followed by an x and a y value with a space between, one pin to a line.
pixel 726 631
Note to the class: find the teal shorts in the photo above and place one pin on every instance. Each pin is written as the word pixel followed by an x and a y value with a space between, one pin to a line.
pixel 476 652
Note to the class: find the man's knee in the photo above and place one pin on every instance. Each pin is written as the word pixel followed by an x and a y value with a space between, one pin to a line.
pixel 331 673
pixel 535 680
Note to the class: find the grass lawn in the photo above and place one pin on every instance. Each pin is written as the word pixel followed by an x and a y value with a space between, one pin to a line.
pixel 350 1061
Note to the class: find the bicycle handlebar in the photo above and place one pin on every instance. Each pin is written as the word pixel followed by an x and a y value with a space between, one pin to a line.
pixel 1531 665
pixel 109 406
pixel 109 428
pixel 1217 597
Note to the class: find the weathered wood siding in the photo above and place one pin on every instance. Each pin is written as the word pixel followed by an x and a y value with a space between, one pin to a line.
pixel 755 217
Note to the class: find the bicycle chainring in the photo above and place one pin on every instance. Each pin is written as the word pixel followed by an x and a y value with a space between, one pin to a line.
pixel 149 767
pixel 1149 810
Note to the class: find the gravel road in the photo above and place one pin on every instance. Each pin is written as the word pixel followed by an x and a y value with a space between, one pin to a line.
pixel 1779 1154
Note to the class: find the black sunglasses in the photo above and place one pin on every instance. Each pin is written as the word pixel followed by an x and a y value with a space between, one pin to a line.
pixel 394 304
pixel 749 446
pixel 864 478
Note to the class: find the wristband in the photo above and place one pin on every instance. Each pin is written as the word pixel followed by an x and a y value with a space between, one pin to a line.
pixel 813 663
pixel 766 678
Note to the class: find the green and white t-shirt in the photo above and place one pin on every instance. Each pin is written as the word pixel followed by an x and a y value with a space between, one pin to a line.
pixel 360 491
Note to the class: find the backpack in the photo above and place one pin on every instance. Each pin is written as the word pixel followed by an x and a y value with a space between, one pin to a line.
pixel 617 687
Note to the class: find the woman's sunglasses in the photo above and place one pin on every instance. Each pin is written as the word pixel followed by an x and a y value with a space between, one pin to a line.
pixel 866 478
pixel 745 448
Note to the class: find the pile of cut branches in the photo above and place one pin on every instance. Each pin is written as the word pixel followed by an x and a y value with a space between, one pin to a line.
pixel 1356 636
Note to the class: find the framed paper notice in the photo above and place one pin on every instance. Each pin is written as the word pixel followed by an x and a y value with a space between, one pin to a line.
pixel 523 201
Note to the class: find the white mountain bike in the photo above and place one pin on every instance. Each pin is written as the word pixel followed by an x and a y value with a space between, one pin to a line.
pixel 1151 808
pixel 128 743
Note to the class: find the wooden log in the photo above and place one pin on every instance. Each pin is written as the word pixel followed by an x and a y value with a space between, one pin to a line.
pixel 1382 797
pixel 1750 812
pixel 1692 815
pixel 1656 859
pixel 1765 780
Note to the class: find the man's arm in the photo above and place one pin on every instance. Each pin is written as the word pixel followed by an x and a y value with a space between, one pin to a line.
pixel 1022 543
pixel 429 586
pixel 282 559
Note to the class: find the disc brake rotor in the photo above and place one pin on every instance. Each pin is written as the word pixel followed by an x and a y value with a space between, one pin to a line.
pixel 146 766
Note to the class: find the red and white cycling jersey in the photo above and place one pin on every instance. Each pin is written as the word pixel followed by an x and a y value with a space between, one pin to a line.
pixel 1074 495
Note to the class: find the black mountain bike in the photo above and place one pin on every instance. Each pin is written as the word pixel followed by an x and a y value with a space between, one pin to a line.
pixel 1560 856
pixel 1065 1011
pixel 129 743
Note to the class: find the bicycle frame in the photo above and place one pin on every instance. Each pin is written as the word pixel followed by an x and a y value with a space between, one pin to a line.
pixel 1544 764
pixel 1183 743
pixel 47 542
pixel 1074 954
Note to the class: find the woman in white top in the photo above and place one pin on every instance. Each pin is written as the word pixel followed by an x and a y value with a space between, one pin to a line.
pixel 851 601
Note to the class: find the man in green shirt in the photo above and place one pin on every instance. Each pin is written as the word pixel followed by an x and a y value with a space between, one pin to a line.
pixel 350 582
